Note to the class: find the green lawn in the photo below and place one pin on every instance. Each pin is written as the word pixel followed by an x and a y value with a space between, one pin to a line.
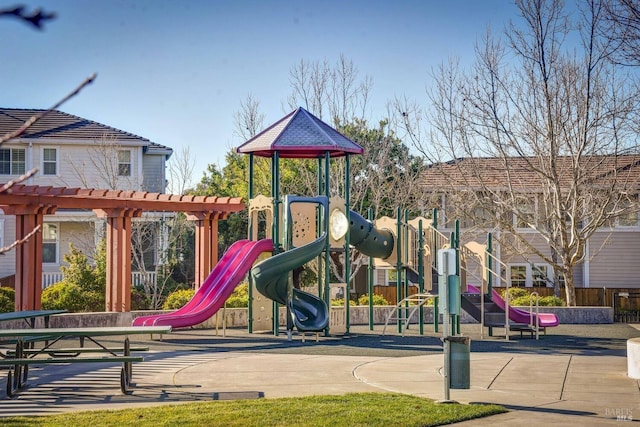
pixel 355 409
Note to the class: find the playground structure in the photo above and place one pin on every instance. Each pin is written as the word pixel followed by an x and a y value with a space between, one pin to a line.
pixel 300 229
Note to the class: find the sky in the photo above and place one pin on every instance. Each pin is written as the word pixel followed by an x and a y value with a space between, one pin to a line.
pixel 175 72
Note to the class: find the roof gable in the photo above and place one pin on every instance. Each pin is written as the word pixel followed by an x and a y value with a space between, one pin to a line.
pixel 63 126
pixel 300 134
pixel 526 174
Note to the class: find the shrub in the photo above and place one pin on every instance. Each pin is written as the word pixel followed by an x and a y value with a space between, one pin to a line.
pixel 525 299
pixel 339 302
pixel 7 300
pixel 515 293
pixel 139 300
pixel 178 299
pixel 551 301
pixel 64 296
pixel 82 288
pixel 240 297
pixel 377 300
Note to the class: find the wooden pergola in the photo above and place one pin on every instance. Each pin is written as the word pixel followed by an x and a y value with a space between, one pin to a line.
pixel 30 203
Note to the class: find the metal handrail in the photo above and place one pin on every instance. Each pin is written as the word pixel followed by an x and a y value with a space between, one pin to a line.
pixel 537 325
pixel 420 299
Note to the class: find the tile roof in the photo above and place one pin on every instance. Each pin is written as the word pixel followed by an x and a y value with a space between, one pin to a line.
pixel 521 173
pixel 63 126
pixel 300 134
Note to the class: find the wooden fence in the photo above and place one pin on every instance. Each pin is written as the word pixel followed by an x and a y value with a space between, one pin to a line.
pixel 625 301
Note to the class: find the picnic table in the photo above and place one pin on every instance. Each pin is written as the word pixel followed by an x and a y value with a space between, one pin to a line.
pixel 35 346
pixel 30 316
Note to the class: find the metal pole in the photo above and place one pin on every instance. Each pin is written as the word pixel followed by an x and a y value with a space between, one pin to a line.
pixel 445 326
pixel 250 232
pixel 320 172
pixel 370 279
pixel 347 242
pixel 434 251
pixel 399 267
pixel 420 275
pixel 275 189
pixel 327 249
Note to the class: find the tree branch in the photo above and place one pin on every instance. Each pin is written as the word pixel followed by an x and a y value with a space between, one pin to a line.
pixel 37 18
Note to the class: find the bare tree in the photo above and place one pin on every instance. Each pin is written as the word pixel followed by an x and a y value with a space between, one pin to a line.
pixel 180 169
pixel 621 28
pixel 534 135
pixel 336 90
pixel 248 120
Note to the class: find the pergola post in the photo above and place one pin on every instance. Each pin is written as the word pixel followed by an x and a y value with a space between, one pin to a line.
pixel 28 281
pixel 118 292
pixel 206 250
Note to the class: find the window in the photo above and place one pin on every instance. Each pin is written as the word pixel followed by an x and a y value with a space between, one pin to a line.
pixel 49 161
pixel 629 215
pixel 124 163
pixel 12 161
pixel 518 275
pixel 540 275
pixel 50 243
pixel 526 212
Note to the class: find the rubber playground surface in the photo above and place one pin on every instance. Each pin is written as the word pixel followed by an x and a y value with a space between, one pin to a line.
pixel 574 375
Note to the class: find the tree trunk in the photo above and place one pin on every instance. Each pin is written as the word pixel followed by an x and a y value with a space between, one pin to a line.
pixel 570 288
pixel 556 276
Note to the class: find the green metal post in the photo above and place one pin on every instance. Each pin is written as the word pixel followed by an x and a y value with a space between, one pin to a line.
pixel 327 249
pixel 434 257
pixel 456 325
pixel 420 275
pixel 436 314
pixel 347 242
pixel 275 189
pixel 405 259
pixel 489 262
pixel 399 266
pixel 434 240
pixel 370 280
pixel 250 231
pixel 319 229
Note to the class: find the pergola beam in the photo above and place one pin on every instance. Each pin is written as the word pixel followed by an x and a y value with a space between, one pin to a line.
pixel 30 203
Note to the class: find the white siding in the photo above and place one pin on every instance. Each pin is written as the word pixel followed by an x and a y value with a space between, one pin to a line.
pixel 615 259
pixel 8 259
pixel 87 167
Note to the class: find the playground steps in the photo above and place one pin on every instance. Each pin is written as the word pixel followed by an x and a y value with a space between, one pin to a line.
pixel 494 316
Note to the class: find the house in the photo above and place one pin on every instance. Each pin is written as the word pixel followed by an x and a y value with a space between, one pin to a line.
pixel 516 197
pixel 71 151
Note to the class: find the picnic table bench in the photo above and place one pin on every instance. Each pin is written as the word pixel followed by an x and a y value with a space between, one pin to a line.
pixel 28 352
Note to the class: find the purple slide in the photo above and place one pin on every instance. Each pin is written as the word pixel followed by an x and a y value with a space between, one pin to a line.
pixel 215 290
pixel 517 315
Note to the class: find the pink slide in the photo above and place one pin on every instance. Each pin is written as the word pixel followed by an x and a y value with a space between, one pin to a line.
pixel 215 290
pixel 517 315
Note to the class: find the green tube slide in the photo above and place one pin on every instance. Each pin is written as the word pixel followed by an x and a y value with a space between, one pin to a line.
pixel 369 240
pixel 271 276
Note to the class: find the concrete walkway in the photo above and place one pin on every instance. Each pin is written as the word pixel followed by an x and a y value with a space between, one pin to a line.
pixel 561 379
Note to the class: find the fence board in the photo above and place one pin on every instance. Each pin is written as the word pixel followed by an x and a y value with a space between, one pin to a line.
pixel 585 297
